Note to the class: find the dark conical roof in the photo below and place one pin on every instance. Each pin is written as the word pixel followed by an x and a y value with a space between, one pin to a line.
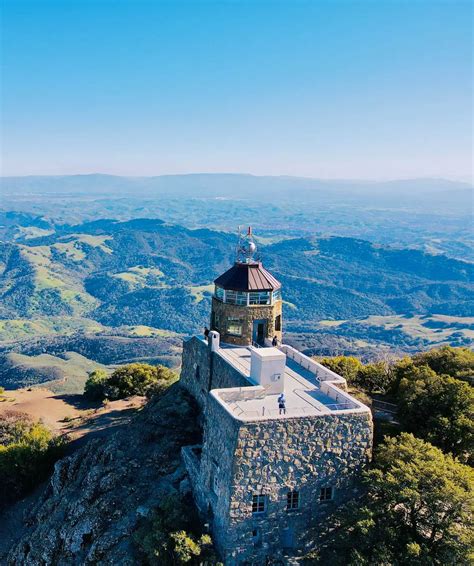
pixel 247 277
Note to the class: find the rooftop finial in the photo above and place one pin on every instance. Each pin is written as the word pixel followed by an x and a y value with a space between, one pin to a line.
pixel 246 247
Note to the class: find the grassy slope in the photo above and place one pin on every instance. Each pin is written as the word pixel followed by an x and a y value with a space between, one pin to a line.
pixel 65 374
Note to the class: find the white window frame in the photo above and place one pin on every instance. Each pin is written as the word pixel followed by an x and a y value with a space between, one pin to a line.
pixel 292 500
pixel 259 504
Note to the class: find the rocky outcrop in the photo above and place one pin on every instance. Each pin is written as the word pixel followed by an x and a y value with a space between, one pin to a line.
pixel 97 497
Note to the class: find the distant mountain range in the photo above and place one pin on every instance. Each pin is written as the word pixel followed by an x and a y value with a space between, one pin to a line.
pixel 148 272
pixel 114 291
pixel 232 185
pixel 433 215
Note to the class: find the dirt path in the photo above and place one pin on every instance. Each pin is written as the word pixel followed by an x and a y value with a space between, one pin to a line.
pixel 69 414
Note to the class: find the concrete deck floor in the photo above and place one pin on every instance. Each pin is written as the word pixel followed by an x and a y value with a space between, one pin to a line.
pixel 302 391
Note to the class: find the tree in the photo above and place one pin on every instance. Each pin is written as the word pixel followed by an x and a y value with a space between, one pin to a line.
pixel 132 379
pixel 376 377
pixel 138 379
pixel 438 409
pixel 417 510
pixel 456 362
pixel 345 366
pixel 94 388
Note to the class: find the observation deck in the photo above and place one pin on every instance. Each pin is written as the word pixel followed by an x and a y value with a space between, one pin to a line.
pixel 310 389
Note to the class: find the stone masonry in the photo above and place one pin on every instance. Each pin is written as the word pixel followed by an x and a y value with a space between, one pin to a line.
pixel 247 314
pixel 203 370
pixel 270 469
pixel 272 458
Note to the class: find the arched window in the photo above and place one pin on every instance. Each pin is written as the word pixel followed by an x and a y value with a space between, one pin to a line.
pixel 198 373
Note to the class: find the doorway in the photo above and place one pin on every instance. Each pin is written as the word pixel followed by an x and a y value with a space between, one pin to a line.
pixel 259 331
pixel 288 538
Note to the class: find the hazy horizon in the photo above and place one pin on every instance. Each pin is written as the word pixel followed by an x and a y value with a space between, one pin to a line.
pixel 464 180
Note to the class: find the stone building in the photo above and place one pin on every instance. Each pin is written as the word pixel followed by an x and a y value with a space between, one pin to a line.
pixel 267 475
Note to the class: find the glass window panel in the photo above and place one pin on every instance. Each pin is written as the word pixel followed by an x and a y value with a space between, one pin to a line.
pixel 326 494
pixel 230 297
pixel 219 293
pixel 259 504
pixel 259 298
pixel 234 326
pixel 292 500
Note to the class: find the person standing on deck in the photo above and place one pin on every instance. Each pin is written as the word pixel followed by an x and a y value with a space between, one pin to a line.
pixel 282 403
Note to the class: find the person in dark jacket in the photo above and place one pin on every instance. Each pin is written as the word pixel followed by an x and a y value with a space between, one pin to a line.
pixel 282 403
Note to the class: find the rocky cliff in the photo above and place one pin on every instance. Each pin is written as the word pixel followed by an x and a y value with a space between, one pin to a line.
pixel 98 496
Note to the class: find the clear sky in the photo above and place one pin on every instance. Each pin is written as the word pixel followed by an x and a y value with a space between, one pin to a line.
pixel 341 89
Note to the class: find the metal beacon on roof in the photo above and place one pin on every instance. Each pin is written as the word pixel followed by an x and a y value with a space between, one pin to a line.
pixel 246 247
pixel 247 304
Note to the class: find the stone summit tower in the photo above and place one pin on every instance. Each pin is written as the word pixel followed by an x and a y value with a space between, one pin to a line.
pixel 246 306
pixel 265 478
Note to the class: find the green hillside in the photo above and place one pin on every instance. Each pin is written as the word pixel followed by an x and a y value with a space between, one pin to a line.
pixel 117 291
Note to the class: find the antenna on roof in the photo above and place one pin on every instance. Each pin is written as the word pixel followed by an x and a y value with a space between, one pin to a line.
pixel 246 246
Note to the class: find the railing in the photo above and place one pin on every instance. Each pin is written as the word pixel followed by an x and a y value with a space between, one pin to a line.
pixel 321 373
pixel 385 406
pixel 307 398
pixel 265 412
pixel 340 406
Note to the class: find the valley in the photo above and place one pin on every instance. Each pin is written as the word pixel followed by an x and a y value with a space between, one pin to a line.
pixel 100 293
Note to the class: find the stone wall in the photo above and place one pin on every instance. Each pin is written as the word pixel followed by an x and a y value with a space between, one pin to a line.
pixel 247 314
pixel 271 458
pixel 195 369
pixel 203 370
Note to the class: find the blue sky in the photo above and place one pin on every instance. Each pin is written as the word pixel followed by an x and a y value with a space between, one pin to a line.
pixel 338 89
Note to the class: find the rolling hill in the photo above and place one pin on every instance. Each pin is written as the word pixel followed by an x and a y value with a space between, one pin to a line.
pixel 116 291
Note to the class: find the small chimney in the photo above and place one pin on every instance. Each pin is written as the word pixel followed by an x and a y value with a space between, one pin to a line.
pixel 214 340
pixel 267 368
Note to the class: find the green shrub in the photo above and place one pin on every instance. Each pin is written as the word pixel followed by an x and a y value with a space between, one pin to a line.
pixel 345 366
pixel 376 377
pixel 455 362
pixel 27 453
pixel 172 535
pixel 94 388
pixel 132 379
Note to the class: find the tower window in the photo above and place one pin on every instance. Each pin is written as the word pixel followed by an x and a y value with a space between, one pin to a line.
pixel 234 326
pixel 259 298
pixel 326 494
pixel 278 322
pixel 219 293
pixel 236 298
pixel 259 504
pixel 292 500
pixel 198 373
pixel 277 295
